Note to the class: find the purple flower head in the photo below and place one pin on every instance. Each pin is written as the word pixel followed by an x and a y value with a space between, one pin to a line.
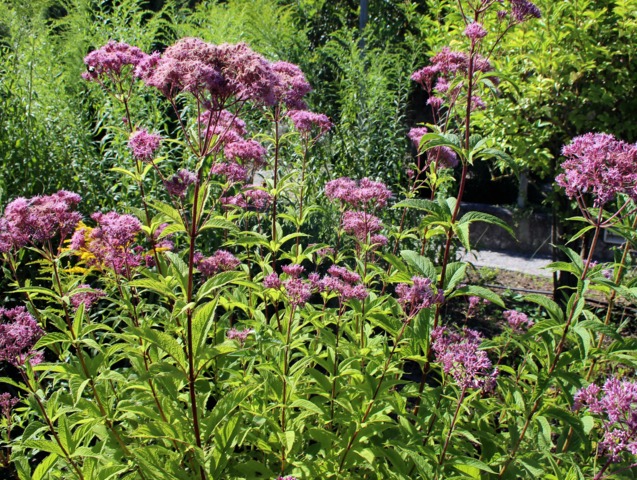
pixel 415 297
pixel 477 103
pixel 18 334
pixel 293 270
pixel 460 355
pixel 297 291
pixel 344 283
pixel 111 59
pixel 231 170
pixel 305 122
pixel 340 189
pixel 370 193
pixel 444 157
pixel 240 335
pixel 87 296
pixel 475 31
pixel 344 274
pixel 416 134
pixel 618 408
pixel 215 71
pixel 324 252
pixel 110 244
pixel 179 183
pixel 425 76
pixel 518 321
pixel 474 303
pixel 435 102
pixel 220 261
pixel 292 85
pixel 251 198
pixel 143 145
pixel 246 151
pixel 361 225
pixel 7 402
pixel 598 164
pixel 378 241
pixel 38 219
pixel 522 10
pixel 442 85
pixel 502 14
pixel 272 281
pixel 223 123
pixel 366 193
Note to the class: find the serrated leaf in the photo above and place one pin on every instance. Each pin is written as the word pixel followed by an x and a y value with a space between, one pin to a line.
pixel 552 308
pixel 422 264
pixel 44 466
pixel 477 291
pixel 471 217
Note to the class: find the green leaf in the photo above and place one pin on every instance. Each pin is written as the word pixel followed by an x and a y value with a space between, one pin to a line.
pixel 202 321
pixel 51 339
pixel 170 212
pixel 471 217
pixel 44 466
pixel 219 280
pixel 422 264
pixel 44 446
pixel 218 223
pixel 164 342
pixel 155 286
pixel 454 274
pixel 476 291
pixel 458 461
pixel 549 305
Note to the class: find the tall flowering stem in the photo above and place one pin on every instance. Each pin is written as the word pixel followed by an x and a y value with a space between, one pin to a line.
pixel 413 298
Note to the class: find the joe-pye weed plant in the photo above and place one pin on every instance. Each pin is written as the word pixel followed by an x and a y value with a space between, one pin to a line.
pixel 206 336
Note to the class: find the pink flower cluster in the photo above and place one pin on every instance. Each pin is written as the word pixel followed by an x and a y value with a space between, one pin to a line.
pixel 366 194
pixel 460 355
pixel 240 335
pixel 518 321
pixel 444 156
pixel 363 226
pixel 18 334
pixel 448 65
pixel 291 86
pixel 345 283
pixel 143 145
pixel 420 294
pixel 109 245
pixel 38 219
pixel 177 186
pixel 618 408
pixel 86 295
pixel 232 171
pixel 601 165
pixel 250 199
pixel 297 291
pixel 522 10
pixel 220 261
pixel 7 402
pixel 475 31
pixel 219 72
pixel 111 60
pixel 246 151
pixel 305 122
pixel 474 305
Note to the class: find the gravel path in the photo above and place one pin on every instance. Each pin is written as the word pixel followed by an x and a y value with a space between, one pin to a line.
pixel 509 261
